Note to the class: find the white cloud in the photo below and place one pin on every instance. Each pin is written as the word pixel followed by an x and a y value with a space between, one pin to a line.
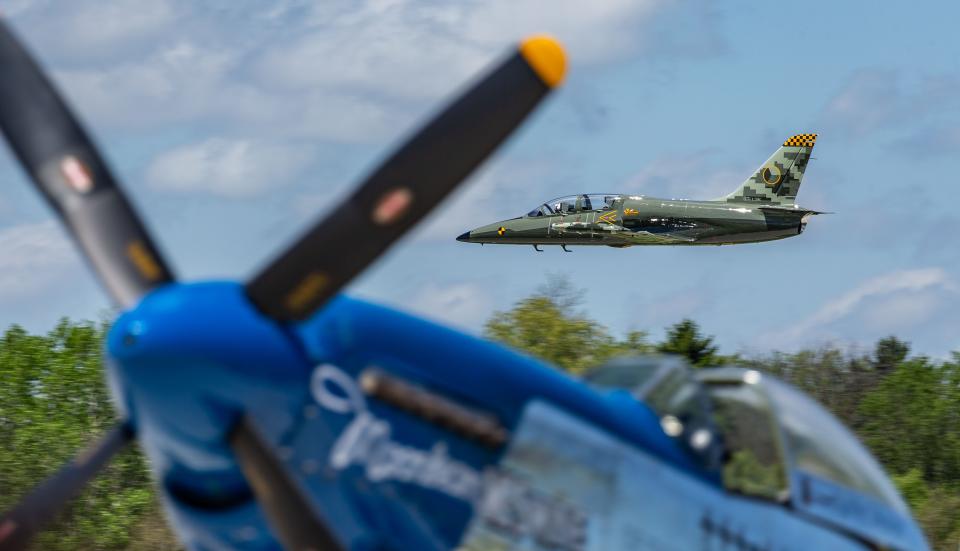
pixel 420 49
pixel 597 31
pixel 33 257
pixel 881 285
pixel 904 309
pixel 176 82
pixel 87 29
pixel 344 71
pixel 227 167
pixel 901 302
pixel 185 82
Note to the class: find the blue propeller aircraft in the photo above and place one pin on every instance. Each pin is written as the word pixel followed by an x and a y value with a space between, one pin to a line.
pixel 276 413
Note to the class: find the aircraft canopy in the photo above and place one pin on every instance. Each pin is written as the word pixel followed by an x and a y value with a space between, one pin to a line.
pixel 820 445
pixel 769 432
pixel 575 203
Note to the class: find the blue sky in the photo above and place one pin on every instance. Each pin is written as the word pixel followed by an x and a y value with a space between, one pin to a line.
pixel 234 124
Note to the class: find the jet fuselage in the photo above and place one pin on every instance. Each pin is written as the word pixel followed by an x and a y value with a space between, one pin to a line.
pixel 623 221
pixel 762 208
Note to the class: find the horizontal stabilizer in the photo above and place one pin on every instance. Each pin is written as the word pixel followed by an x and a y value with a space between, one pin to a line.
pixel 792 209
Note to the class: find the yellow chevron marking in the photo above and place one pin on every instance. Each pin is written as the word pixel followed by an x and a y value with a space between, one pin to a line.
pixel 801 140
pixel 608 218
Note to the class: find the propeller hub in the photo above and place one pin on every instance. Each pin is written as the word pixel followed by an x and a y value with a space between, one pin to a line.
pixel 186 363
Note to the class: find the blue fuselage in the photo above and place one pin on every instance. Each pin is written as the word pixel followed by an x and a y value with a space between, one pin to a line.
pixel 191 358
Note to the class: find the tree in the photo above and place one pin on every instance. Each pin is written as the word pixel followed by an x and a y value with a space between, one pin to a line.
pixel 938 517
pixel 53 401
pixel 549 326
pixel 836 379
pixel 685 339
pixel 890 351
pixel 635 342
pixel 911 420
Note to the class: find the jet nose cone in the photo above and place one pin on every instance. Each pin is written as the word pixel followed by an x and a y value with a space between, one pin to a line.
pixel 465 237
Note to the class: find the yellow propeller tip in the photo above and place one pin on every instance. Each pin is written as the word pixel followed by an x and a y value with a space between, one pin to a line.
pixel 546 57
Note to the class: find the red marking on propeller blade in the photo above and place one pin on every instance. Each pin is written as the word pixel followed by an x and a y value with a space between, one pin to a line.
pixel 392 206
pixel 76 174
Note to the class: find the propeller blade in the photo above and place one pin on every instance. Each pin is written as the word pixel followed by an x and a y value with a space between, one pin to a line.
pixel 63 163
pixel 409 184
pixel 17 527
pixel 287 509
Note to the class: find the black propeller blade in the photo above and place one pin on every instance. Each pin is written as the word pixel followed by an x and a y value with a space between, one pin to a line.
pixel 409 184
pixel 290 514
pixel 57 154
pixel 18 526
pixel 64 164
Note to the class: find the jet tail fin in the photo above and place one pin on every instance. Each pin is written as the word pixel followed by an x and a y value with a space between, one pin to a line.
pixel 777 181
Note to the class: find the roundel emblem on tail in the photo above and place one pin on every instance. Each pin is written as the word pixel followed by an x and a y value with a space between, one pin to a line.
pixel 771 175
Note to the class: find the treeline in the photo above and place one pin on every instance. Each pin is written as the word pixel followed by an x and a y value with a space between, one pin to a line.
pixel 53 400
pixel 905 408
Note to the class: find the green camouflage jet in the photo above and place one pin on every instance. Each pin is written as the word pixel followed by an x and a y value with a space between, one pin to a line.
pixel 763 208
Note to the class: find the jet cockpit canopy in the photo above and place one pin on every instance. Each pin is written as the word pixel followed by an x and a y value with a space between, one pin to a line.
pixel 575 203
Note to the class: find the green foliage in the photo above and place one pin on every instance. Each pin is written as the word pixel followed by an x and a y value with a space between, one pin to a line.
pixel 53 401
pixel 836 379
pixel 935 508
pixel 549 326
pixel 912 487
pixel 939 519
pixel 910 419
pixel 685 339
pixel 744 473
pixel 890 351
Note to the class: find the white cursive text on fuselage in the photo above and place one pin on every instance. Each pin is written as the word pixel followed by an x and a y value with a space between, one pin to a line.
pixel 367 442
